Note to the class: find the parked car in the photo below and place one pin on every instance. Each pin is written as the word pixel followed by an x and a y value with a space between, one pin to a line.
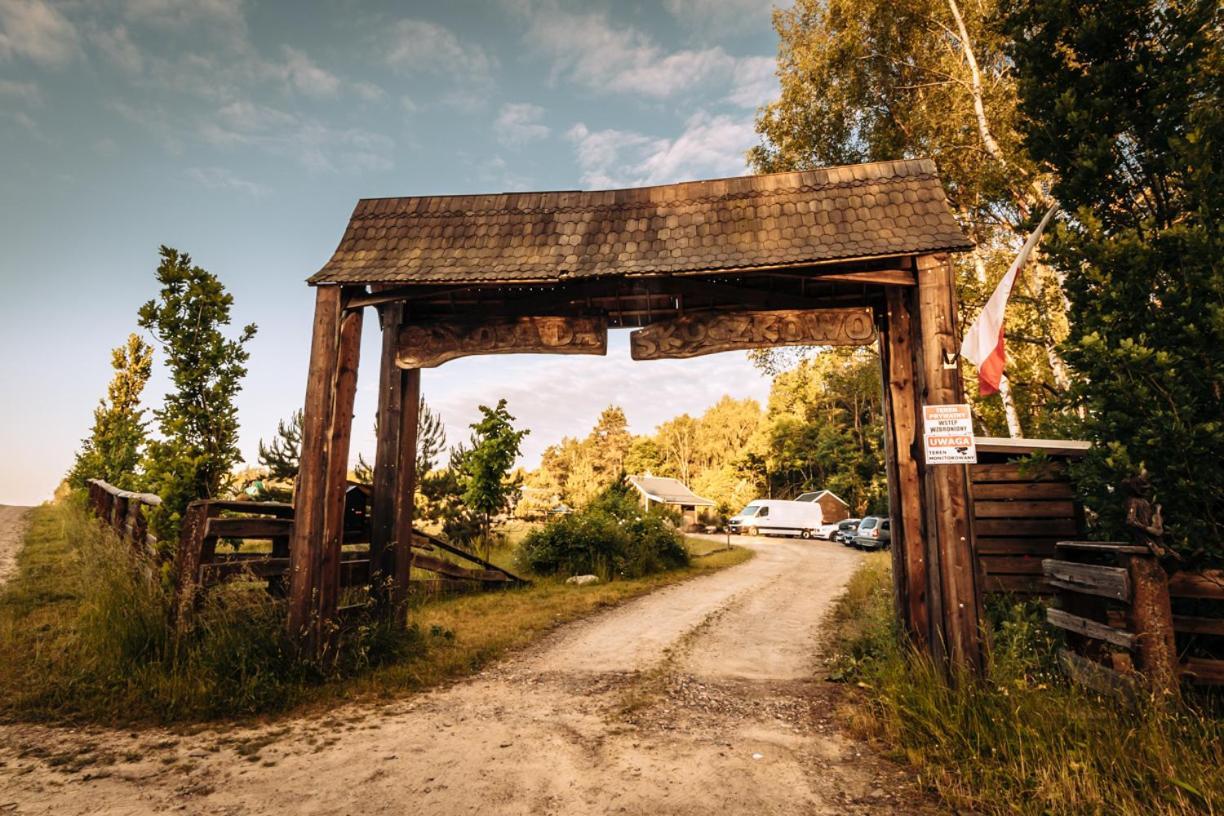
pixel 846 530
pixel 873 534
pixel 777 517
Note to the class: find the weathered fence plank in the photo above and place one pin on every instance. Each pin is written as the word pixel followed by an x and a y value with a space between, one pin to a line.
pixel 1090 628
pixel 1091 579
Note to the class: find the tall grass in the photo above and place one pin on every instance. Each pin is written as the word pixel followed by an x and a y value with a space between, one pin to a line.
pixel 84 632
pixel 84 635
pixel 1025 741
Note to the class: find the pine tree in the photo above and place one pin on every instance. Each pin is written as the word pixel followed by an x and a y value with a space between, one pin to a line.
pixel 281 456
pixel 198 419
pixel 112 450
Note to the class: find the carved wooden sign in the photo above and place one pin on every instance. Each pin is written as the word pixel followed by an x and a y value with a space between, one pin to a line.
pixel 710 332
pixel 425 345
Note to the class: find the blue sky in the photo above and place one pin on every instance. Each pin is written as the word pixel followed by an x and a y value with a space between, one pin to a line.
pixel 243 133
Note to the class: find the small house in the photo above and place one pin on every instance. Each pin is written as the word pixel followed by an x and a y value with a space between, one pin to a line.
pixel 832 506
pixel 673 493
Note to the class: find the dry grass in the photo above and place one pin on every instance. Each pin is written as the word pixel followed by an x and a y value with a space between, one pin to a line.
pixel 1024 741
pixel 83 636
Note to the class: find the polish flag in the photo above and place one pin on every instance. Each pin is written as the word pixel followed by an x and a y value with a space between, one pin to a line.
pixel 983 343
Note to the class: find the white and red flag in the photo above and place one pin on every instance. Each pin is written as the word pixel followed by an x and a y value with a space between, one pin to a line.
pixel 983 343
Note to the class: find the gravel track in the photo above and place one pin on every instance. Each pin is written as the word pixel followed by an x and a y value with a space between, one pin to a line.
pixel 701 698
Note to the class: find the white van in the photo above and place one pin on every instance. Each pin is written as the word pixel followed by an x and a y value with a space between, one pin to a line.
pixel 777 517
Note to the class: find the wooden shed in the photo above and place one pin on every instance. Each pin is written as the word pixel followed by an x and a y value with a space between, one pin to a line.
pixel 1021 509
pixel 671 493
pixel 833 507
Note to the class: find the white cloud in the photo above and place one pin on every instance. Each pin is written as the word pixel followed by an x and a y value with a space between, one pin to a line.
pixel 118 47
pixel 25 91
pixel 419 46
pixel 519 123
pixel 219 178
pixel 34 29
pixel 225 17
pixel 589 50
pixel 307 77
pixel 710 146
pixel 755 82
pixel 368 91
pixel 722 16
pixel 562 396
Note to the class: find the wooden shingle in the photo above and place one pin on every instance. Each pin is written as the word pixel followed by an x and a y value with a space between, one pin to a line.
pixel 878 210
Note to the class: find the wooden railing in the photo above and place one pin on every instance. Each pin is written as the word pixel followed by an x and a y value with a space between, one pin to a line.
pixel 1116 605
pixel 123 512
pixel 204 525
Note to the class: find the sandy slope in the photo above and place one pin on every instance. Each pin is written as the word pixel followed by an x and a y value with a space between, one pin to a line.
pixel 13 521
pixel 698 699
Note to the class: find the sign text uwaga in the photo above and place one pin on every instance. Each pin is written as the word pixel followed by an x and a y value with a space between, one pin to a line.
pixel 947 435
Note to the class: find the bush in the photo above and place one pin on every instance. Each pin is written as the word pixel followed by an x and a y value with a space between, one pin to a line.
pixel 613 537
pixel 85 632
pixel 1023 740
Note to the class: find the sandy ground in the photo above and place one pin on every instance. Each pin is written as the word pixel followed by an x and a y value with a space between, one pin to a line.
pixel 13 521
pixel 703 698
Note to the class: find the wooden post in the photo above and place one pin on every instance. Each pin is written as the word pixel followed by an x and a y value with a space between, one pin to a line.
pixel 190 556
pixel 410 401
pixel 901 443
pixel 387 453
pixel 314 557
pixel 951 551
pixel 1151 612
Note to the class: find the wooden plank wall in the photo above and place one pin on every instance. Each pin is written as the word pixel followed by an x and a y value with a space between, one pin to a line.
pixel 1019 513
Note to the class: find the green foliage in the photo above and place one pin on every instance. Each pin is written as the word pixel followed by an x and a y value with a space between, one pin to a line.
pixel 825 430
pixel 479 485
pixel 1025 741
pixel 612 537
pixel 198 419
pixel 112 451
pixel 281 456
pixel 1123 102
pixel 576 471
pixel 86 633
pixel 870 80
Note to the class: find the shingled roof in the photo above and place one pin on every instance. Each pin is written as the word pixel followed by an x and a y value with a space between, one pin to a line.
pixel 862 211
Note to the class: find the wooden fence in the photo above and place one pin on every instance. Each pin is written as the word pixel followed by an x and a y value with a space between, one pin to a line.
pixel 1116 605
pixel 207 523
pixel 1020 512
pixel 123 511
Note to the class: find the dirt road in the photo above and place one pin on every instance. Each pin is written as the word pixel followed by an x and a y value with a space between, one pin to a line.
pixel 699 699
pixel 13 521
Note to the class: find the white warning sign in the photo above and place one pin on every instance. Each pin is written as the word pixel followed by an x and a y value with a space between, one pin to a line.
pixel 947 435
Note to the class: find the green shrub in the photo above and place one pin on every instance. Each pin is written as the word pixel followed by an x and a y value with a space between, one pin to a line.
pixel 85 632
pixel 1023 740
pixel 613 537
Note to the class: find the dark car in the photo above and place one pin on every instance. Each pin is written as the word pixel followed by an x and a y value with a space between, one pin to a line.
pixel 845 531
pixel 873 534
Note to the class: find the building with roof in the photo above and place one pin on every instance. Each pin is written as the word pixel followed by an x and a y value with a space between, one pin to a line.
pixel 671 493
pixel 833 507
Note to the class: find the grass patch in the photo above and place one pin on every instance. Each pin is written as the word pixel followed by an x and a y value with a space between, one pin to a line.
pixel 83 636
pixel 1025 741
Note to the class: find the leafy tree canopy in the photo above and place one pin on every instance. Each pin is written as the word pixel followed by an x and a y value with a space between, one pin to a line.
pixel 112 450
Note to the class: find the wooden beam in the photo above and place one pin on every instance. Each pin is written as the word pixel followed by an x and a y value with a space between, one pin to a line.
pixel 710 332
pixel 319 499
pixel 425 345
pixel 340 429
pixel 405 492
pixel 1206 584
pixel 1090 628
pixel 897 355
pixel 248 527
pixel 1204 670
pixel 386 454
pixel 1151 618
pixel 1089 579
pixel 879 277
pixel 949 516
